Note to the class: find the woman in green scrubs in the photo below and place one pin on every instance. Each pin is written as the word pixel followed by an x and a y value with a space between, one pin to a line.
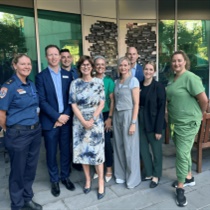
pixel 186 102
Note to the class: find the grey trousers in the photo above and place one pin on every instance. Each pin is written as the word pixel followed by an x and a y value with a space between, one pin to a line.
pixel 126 149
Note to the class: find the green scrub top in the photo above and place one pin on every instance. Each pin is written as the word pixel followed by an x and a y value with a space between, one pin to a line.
pixel 109 88
pixel 183 107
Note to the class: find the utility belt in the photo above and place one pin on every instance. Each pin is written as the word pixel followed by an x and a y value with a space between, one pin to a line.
pixel 24 127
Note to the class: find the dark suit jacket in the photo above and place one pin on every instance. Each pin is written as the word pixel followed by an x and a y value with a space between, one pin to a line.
pixel 154 108
pixel 48 100
pixel 139 73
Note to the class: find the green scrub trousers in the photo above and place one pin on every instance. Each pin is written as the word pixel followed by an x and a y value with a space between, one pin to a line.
pixel 183 137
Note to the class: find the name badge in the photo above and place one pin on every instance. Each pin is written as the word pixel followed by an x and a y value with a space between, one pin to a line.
pixel 21 91
pixel 65 77
pixel 124 86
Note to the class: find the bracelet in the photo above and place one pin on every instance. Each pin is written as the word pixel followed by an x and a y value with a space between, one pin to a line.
pixel 133 122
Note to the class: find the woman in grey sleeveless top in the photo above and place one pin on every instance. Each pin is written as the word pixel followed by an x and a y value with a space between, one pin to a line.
pixel 125 124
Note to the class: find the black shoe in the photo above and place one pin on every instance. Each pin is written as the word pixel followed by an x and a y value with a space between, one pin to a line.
pixel 100 195
pixel 78 167
pixel 68 184
pixel 188 182
pixel 31 205
pixel 87 190
pixel 55 189
pixel 154 184
pixel 180 197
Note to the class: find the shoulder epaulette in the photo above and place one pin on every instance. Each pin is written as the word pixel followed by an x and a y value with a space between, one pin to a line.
pixel 9 81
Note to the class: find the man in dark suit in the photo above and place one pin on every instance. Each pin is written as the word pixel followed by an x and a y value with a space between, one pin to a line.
pixel 136 69
pixel 53 90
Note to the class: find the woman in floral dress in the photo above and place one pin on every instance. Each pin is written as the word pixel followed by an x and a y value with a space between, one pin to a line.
pixel 87 100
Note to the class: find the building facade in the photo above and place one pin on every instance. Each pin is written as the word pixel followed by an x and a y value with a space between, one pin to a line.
pixel 107 27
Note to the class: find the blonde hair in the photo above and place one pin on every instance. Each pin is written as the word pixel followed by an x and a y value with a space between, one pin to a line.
pixel 151 63
pixel 124 58
pixel 18 56
pixel 120 60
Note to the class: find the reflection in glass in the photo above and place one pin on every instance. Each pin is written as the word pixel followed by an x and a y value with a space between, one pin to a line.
pixel 192 38
pixel 61 29
pixel 166 48
pixel 17 36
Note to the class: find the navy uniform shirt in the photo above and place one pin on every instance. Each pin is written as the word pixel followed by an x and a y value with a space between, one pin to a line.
pixel 74 73
pixel 20 101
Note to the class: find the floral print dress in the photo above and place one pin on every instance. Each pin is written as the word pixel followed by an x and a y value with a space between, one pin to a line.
pixel 88 144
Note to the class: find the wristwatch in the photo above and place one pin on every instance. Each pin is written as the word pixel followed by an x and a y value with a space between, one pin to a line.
pixel 133 122
pixel 94 118
pixel 110 117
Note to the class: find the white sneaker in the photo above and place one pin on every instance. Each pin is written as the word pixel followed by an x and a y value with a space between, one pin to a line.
pixel 120 181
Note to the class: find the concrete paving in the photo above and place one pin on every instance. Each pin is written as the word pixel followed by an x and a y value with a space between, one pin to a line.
pixel 117 197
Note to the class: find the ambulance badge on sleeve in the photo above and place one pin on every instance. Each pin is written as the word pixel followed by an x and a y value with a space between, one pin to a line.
pixel 3 92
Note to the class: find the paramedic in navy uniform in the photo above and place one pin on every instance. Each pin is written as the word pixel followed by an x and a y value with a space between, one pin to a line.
pixel 19 119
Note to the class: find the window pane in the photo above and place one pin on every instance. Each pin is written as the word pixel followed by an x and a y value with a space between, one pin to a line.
pixel 61 29
pixel 17 36
pixel 166 48
pixel 193 38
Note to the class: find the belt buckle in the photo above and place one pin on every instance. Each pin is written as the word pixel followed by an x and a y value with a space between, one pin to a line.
pixel 32 126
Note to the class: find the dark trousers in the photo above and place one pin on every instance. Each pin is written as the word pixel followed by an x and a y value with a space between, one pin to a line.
pixel 152 166
pixel 23 147
pixel 58 136
pixel 108 144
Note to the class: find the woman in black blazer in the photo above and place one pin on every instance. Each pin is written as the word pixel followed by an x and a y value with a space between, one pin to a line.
pixel 152 123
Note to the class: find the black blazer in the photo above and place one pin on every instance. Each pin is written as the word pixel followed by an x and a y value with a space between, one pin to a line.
pixel 48 100
pixel 154 108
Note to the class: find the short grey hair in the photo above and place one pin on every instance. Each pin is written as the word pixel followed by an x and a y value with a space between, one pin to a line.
pixel 99 57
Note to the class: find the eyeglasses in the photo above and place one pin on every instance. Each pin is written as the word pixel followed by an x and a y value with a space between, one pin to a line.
pixel 87 65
